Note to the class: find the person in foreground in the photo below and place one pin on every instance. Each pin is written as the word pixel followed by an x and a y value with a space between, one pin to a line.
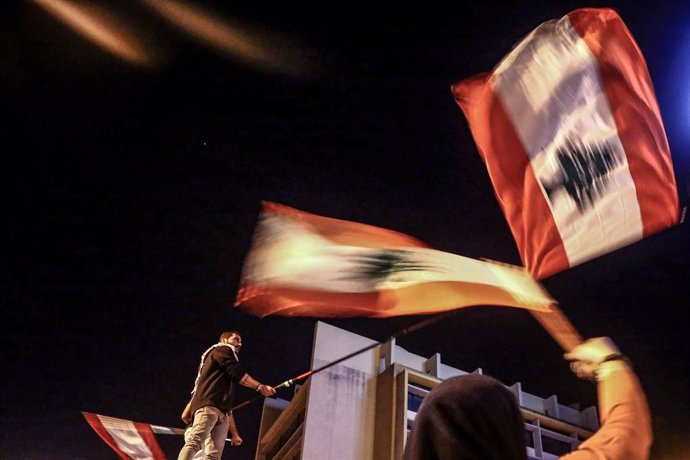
pixel 476 417
pixel 208 412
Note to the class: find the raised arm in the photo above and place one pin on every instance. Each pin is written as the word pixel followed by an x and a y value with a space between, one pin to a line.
pixel 625 432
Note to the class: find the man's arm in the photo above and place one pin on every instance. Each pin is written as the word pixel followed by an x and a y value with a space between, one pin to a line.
pixel 249 382
pixel 626 431
pixel 232 428
pixel 232 367
pixel 228 362
pixel 187 413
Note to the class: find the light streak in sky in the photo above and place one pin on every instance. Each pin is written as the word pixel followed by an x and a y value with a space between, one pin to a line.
pixel 231 39
pixel 99 28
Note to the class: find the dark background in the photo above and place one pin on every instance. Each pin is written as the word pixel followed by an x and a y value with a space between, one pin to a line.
pixel 132 194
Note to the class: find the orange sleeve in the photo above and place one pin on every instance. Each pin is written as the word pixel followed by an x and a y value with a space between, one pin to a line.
pixel 626 431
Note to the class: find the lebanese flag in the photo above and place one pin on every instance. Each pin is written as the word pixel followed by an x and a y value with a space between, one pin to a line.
pixel 570 131
pixel 130 440
pixel 301 264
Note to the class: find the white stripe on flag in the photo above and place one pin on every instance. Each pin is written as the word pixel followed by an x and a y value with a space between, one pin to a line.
pixel 562 100
pixel 296 257
pixel 121 435
pixel 301 264
pixel 126 436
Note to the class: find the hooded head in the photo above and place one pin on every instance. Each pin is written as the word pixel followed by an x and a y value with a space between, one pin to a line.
pixel 468 417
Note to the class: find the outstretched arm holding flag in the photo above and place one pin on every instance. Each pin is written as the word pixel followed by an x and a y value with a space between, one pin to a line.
pixel 626 429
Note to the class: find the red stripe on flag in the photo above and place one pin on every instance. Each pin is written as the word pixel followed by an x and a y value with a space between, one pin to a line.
pixel 262 301
pixel 149 438
pixel 516 187
pixel 346 232
pixel 631 96
pixel 425 298
pixel 98 427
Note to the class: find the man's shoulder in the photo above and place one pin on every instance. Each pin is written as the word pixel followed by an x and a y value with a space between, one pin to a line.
pixel 224 352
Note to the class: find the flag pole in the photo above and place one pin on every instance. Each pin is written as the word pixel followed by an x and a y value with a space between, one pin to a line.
pixel 401 333
pixel 559 327
pixel 553 321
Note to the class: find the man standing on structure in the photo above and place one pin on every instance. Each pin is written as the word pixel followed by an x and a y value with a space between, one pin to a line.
pixel 209 409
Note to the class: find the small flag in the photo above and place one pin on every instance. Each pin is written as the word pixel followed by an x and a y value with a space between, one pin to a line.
pixel 130 440
pixel 301 264
pixel 570 131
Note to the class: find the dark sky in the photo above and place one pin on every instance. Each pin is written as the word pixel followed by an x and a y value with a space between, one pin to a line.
pixel 132 193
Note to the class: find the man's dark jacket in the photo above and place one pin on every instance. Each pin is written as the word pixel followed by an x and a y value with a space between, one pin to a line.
pixel 218 374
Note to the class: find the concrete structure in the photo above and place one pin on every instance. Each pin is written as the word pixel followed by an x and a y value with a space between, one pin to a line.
pixel 363 408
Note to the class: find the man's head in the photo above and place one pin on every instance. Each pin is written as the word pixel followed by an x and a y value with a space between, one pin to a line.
pixel 470 417
pixel 232 338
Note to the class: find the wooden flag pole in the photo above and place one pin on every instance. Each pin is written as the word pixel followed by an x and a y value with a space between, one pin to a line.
pixel 553 320
pixel 559 327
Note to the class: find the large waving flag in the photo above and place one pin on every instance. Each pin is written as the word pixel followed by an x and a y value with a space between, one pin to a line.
pixel 301 264
pixel 570 131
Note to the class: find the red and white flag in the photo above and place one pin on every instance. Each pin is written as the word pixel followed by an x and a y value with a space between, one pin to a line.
pixel 130 440
pixel 570 131
pixel 301 264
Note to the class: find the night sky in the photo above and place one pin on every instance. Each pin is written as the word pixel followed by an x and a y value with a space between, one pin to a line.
pixel 132 193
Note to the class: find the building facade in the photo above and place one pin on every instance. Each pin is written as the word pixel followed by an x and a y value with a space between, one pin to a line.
pixel 364 408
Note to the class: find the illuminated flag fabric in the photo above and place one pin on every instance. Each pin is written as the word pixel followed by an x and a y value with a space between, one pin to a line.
pixel 301 264
pixel 130 440
pixel 570 131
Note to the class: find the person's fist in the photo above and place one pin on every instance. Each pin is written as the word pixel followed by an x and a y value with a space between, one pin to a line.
pixel 266 390
pixel 586 357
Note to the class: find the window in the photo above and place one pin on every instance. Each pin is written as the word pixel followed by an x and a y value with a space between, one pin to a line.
pixel 555 446
pixel 414 401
